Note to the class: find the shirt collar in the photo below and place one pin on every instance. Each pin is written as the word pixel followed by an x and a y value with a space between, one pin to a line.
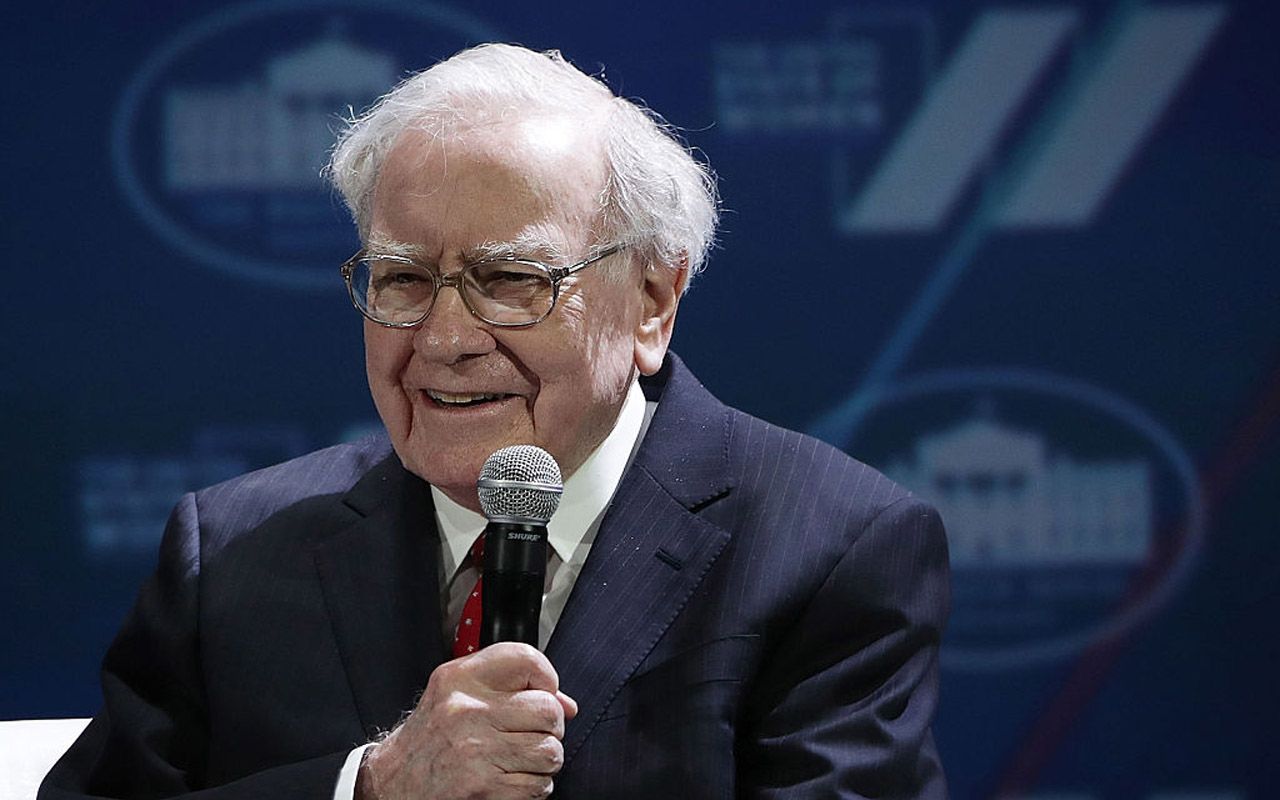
pixel 586 494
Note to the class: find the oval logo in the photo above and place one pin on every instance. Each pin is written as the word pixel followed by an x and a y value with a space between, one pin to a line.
pixel 218 140
pixel 1071 514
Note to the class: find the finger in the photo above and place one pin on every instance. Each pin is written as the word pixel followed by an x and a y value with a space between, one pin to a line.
pixel 529 711
pixel 524 785
pixel 569 704
pixel 532 753
pixel 512 666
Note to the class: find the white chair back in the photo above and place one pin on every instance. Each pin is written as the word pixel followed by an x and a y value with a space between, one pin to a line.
pixel 28 749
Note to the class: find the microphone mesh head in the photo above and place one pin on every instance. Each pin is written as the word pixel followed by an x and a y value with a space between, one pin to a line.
pixel 521 482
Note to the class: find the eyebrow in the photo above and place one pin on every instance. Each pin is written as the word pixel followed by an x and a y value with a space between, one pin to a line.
pixel 528 245
pixel 385 245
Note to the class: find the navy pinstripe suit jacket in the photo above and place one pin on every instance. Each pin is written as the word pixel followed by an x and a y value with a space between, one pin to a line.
pixel 759 617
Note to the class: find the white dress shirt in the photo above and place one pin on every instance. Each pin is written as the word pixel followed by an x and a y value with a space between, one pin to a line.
pixel 571 532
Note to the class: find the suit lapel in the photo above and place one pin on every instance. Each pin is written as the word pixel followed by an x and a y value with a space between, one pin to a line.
pixel 650 553
pixel 379 578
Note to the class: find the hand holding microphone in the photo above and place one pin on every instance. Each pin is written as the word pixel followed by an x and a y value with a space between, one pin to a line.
pixel 490 724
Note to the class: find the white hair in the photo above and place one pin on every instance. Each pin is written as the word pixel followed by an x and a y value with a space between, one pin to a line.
pixel 658 197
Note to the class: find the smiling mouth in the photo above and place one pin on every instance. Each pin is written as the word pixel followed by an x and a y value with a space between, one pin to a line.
pixel 463 400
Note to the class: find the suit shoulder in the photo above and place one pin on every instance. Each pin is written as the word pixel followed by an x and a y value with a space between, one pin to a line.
pixel 793 467
pixel 248 499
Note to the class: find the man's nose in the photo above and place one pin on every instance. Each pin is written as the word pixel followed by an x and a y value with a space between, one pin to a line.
pixel 451 332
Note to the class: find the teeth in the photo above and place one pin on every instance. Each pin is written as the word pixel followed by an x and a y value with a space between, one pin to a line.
pixel 449 398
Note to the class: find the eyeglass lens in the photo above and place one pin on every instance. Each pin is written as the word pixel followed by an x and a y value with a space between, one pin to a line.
pixel 500 292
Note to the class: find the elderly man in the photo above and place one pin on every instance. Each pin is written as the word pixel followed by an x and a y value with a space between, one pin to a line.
pixel 731 609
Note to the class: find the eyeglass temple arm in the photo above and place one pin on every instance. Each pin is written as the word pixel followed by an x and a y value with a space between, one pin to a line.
pixel 560 273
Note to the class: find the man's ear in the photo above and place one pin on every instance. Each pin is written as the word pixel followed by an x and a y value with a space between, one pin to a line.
pixel 661 288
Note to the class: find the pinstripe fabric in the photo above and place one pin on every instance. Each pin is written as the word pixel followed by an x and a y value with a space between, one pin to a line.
pixel 793 650
pixel 759 617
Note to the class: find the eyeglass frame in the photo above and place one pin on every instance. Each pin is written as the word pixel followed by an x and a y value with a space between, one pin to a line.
pixel 454 279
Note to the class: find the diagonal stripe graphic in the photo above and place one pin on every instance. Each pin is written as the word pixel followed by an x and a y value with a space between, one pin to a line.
pixel 960 122
pixel 1117 107
pixel 840 422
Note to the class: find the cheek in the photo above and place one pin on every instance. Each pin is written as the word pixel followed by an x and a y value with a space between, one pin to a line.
pixel 611 348
pixel 375 362
pixel 386 355
pixel 596 350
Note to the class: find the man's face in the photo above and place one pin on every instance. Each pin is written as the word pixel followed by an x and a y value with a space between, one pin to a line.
pixel 455 389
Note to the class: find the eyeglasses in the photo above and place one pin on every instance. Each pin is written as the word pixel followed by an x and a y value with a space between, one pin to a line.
pixel 399 292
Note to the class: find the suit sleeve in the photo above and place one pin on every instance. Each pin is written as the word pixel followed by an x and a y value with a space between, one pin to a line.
pixel 844 708
pixel 151 736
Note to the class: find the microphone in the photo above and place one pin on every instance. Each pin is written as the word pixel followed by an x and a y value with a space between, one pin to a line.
pixel 519 490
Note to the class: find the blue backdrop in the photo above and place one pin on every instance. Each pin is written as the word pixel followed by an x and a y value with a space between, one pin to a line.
pixel 1022 257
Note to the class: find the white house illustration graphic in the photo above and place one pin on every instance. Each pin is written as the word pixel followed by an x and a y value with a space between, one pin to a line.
pixel 1006 501
pixel 274 132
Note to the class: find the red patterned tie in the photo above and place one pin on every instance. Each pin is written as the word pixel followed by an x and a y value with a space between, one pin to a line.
pixel 467 638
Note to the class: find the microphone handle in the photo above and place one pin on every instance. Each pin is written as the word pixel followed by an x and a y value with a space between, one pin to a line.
pixel 515 566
